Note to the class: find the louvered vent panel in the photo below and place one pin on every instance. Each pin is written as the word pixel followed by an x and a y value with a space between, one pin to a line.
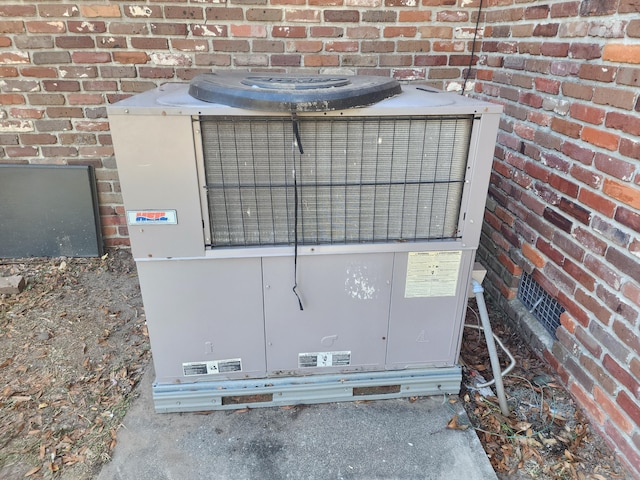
pixel 360 179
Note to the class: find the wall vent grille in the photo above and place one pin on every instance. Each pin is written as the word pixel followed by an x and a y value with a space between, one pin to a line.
pixel 360 179
pixel 541 305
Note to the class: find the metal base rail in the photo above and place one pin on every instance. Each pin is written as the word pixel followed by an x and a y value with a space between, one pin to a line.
pixel 273 392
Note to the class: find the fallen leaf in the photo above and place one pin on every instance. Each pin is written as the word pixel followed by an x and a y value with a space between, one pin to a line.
pixel 7 362
pixel 32 471
pixel 454 425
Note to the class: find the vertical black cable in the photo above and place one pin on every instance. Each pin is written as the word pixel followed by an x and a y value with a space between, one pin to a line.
pixel 296 133
pixel 473 49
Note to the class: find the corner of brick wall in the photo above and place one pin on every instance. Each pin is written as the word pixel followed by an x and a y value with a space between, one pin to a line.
pixel 564 201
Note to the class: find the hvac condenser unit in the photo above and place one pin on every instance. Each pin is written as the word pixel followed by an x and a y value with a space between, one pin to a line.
pixel 302 239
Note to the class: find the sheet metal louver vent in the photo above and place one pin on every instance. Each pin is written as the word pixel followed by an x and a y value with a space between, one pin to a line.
pixel 360 179
pixel 541 305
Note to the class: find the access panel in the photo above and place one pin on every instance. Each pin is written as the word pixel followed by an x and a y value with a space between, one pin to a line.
pixel 205 318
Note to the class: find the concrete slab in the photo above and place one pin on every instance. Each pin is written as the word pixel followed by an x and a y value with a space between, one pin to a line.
pixel 387 439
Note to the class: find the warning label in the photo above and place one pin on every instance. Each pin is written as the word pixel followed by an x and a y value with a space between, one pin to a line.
pixel 211 368
pixel 324 359
pixel 432 274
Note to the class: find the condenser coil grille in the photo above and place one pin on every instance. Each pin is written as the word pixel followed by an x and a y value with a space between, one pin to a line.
pixel 359 180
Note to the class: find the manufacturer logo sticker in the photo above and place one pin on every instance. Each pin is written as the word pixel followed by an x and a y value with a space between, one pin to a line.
pixel 152 217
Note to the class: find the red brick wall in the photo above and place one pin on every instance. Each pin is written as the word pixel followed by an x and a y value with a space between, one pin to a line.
pixel 564 201
pixel 62 62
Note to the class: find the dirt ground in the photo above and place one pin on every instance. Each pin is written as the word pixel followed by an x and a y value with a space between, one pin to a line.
pixel 74 345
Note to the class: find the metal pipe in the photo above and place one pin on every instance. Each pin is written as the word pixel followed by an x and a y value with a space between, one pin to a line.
pixel 491 346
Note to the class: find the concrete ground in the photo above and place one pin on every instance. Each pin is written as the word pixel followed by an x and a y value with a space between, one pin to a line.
pixel 388 439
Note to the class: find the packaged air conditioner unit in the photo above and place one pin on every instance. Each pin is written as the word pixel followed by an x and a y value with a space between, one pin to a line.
pixel 302 239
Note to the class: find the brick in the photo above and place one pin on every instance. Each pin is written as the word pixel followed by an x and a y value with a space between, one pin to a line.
pixel 631 291
pixel 286 60
pixel 341 16
pixel 272 46
pixel 452 16
pixel 289 32
pixel 33 113
pixel 183 13
pixel 583 155
pixel 627 335
pixel 614 166
pixel 93 11
pixel 402 32
pixel 156 72
pixel 612 410
pixel 11 26
pixel 586 280
pixel 616 304
pixel 275 15
pixel 64 112
pixel 338 46
pixel 600 138
pixel 551 253
pixel 598 73
pixel 40 72
pixel 32 42
pixel 130 57
pixel 61 85
pixel 131 28
pixel 592 305
pixel 76 26
pixel 326 32
pixel 85 99
pixel 12 285
pixel 91 57
pixel 629 266
pixel 75 42
pixel 533 255
pixel 628 218
pixel 143 11
pixel 566 127
pixel 625 193
pixel 111 41
pixel 413 46
pixel 224 13
pixel 610 231
pixel 545 30
pixel 377 47
pixel 630 148
pixel 379 16
pixel 588 113
pixel 597 202
pixel 302 15
pixel 621 53
pixel 11 99
pixel 621 374
pixel 576 211
pixel 109 71
pixel 547 194
pixel 597 7
pixel 164 29
pixel 231 45
pixel 22 151
pixel 190 45
pixel 413 16
pixel 548 85
pixel 251 60
pixel 558 220
pixel 615 97
pixel 37 26
pixel 627 123
pixel 363 32
pixel 146 43
pixel 630 406
pixel 564 9
pixel 576 90
pixel 321 60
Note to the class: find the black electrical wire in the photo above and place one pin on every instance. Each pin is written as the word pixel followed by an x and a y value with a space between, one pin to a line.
pixel 296 133
pixel 473 49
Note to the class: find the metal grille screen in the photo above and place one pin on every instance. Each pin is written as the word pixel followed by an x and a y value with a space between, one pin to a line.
pixel 360 180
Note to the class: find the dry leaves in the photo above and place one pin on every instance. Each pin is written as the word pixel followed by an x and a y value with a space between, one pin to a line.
pixel 74 345
pixel 545 436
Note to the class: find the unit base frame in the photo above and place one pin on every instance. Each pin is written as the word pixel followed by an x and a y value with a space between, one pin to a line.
pixel 274 392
